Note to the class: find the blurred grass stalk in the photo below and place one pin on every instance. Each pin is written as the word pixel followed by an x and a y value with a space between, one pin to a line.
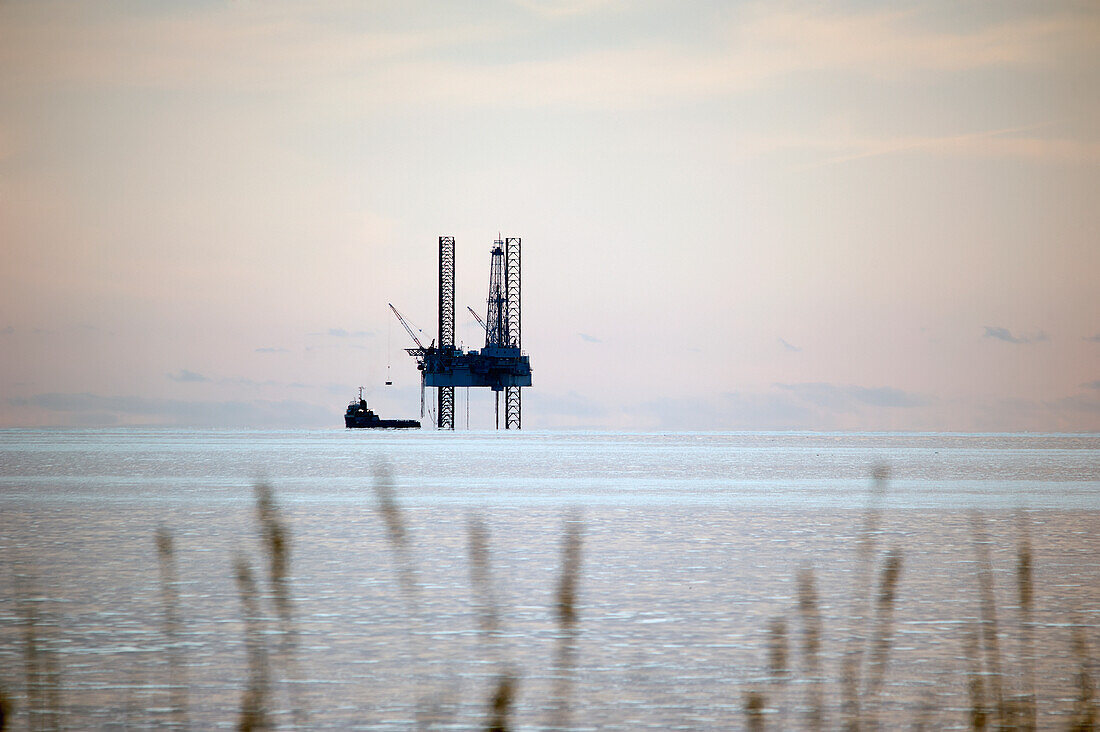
pixel 169 592
pixel 489 621
pixel 989 684
pixel 41 667
pixel 1024 594
pixel 433 706
pixel 275 539
pixel 859 601
pixel 810 615
pixel 254 702
pixel 565 656
pixel 1084 706
pixel 990 633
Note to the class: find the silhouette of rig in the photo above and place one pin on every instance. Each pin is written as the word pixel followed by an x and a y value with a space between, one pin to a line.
pixel 500 365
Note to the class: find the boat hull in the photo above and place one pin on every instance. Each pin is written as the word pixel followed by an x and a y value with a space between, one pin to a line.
pixel 362 422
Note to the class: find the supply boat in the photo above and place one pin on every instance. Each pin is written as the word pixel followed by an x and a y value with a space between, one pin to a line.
pixel 358 415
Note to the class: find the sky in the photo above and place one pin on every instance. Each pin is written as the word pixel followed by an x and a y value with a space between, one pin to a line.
pixel 735 216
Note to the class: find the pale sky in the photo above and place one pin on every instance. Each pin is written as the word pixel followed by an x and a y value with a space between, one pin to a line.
pixel 760 215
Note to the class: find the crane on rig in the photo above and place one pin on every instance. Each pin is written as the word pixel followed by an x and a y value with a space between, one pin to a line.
pixel 417 352
pixel 477 318
pixel 420 349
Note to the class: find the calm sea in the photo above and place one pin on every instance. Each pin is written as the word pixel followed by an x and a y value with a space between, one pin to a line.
pixel 687 592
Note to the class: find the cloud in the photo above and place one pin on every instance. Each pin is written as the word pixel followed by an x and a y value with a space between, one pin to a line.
pixel 276 47
pixel 569 409
pixel 729 411
pixel 271 350
pixel 807 406
pixel 227 46
pixel 1084 404
pixel 845 398
pixel 1093 339
pixel 1003 334
pixel 1078 413
pixel 94 409
pixel 343 333
pixel 589 339
pixel 555 8
pixel 248 382
pixel 187 376
pixel 756 46
pixel 1000 144
pixel 788 346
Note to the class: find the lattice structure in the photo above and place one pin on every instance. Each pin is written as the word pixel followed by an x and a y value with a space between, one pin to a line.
pixel 446 406
pixel 511 408
pixel 496 314
pixel 511 285
pixel 512 402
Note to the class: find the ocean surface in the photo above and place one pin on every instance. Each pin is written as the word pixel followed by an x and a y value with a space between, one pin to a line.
pixel 709 569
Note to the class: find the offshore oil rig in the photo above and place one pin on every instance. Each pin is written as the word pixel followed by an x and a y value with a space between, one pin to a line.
pixel 500 365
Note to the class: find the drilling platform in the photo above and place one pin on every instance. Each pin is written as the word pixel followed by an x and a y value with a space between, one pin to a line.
pixel 501 365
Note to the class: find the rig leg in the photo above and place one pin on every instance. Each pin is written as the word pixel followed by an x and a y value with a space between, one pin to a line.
pixel 511 408
pixel 446 325
pixel 446 408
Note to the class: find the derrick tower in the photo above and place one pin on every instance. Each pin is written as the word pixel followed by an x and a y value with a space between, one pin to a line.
pixel 502 318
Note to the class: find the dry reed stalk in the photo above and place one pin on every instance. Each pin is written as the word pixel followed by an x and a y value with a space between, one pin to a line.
pixel 926 713
pixel 32 664
pixel 570 571
pixel 52 669
pixel 1025 598
pixel 884 633
pixel 481 578
pixel 884 628
pixel 40 665
pixel 254 713
pixel 481 581
pixel 850 711
pixel 975 685
pixel 276 542
pixel 988 607
pixel 396 533
pixel 865 549
pixel 433 708
pixel 754 711
pixel 811 647
pixel 860 601
pixel 778 670
pixel 275 537
pixel 132 714
pixel 5 711
pixel 1085 716
pixel 169 593
pixel 777 650
pixel 501 704
pixel 566 608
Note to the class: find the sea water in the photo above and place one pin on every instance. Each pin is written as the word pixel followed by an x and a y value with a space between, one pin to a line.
pixel 687 583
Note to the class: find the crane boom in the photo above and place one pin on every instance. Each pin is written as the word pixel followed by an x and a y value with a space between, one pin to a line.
pixel 476 317
pixel 407 327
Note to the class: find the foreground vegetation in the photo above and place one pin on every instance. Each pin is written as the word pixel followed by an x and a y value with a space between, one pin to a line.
pixel 1000 686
